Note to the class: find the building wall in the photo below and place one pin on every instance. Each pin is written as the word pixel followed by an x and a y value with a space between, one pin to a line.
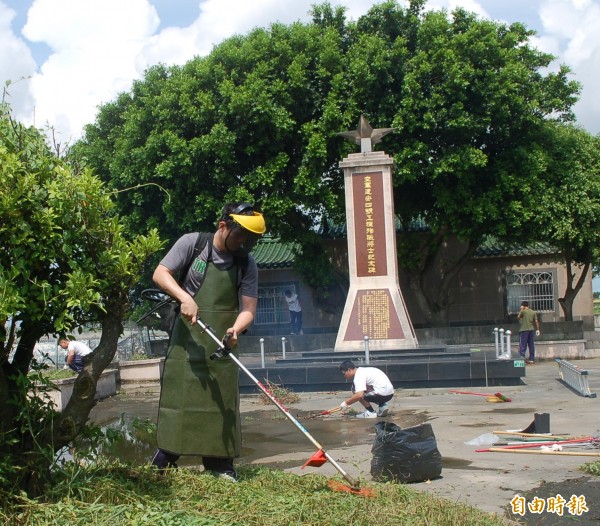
pixel 312 317
pixel 481 289
pixel 479 295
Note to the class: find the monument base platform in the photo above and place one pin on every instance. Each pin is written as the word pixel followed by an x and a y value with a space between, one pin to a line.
pixel 415 368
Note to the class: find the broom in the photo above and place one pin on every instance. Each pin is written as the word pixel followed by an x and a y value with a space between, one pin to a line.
pixel 330 411
pixel 500 396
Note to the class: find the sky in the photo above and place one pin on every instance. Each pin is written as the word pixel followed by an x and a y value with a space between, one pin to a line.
pixel 64 58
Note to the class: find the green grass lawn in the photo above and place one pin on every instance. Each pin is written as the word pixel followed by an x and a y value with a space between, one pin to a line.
pixel 125 496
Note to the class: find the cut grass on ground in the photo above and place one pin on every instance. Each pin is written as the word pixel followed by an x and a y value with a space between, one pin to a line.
pixel 125 496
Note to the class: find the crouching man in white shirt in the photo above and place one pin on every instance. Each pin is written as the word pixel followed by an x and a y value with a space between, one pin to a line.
pixel 369 385
pixel 76 352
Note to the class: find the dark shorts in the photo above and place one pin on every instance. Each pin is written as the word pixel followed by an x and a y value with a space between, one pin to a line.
pixel 377 399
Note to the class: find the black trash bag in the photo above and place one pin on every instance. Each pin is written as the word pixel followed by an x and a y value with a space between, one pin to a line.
pixel 405 455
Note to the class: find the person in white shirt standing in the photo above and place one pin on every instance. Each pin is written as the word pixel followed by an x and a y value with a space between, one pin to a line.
pixel 369 385
pixel 295 311
pixel 76 352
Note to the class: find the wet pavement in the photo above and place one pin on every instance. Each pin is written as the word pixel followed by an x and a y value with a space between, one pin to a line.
pixel 269 438
pixel 486 480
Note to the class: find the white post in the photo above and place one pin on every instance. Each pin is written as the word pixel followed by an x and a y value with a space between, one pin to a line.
pixel 262 353
pixel 501 342
pixel 508 333
pixel 283 340
pixel 366 350
pixel 496 342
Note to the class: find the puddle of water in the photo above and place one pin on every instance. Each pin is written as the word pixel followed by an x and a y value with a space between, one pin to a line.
pixel 269 438
pixel 515 410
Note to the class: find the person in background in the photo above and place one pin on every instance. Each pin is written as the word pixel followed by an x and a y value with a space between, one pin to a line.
pixel 295 311
pixel 369 384
pixel 75 353
pixel 199 411
pixel 529 325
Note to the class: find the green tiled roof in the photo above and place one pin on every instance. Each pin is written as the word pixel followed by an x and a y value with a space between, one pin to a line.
pixel 271 253
pixel 491 248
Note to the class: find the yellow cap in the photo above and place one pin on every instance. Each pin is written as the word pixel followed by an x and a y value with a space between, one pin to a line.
pixel 254 223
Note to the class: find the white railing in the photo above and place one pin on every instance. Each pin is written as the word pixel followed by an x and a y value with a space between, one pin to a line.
pixel 499 340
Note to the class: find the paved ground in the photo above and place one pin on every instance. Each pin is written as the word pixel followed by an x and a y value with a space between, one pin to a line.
pixel 490 480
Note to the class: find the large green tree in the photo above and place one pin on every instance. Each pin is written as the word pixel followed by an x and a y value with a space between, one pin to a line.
pixel 65 260
pixel 472 104
pixel 257 119
pixel 566 203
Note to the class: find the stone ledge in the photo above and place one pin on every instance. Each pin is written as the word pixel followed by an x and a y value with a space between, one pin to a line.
pixel 139 371
pixel 106 386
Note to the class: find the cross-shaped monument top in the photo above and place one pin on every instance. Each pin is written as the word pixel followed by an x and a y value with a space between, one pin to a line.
pixel 365 135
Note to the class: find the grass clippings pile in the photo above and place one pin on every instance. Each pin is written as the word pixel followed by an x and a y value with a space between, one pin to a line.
pixel 284 395
pixel 124 496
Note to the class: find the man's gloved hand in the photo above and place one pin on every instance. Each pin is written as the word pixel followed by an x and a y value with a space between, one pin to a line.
pixel 344 405
pixel 537 333
pixel 66 367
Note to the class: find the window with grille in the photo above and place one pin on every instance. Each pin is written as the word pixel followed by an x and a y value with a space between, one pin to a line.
pixel 535 287
pixel 272 308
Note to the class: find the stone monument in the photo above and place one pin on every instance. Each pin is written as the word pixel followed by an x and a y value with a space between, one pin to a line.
pixel 374 306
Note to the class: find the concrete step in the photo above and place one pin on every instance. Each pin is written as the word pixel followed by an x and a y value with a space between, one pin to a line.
pixel 386 356
pixel 461 371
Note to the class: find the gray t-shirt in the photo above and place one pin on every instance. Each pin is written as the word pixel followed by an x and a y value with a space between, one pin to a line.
pixel 183 250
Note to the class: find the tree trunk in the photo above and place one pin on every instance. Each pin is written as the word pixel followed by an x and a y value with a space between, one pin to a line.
pixel 566 302
pixel 14 401
pixel 32 453
pixel 9 372
pixel 432 279
pixel 75 415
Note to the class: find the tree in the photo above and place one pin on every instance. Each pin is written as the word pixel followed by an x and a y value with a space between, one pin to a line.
pixel 258 118
pixel 65 260
pixel 567 208
pixel 472 103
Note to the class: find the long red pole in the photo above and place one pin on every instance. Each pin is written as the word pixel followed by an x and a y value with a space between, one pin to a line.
pixel 538 444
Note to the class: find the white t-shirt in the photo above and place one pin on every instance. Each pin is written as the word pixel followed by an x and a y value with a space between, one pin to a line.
pixel 79 348
pixel 371 379
pixel 293 303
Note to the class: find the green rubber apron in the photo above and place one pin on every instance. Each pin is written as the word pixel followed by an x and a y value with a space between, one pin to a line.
pixel 199 400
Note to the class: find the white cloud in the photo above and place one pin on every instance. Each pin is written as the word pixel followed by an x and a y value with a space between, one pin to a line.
pixel 220 19
pixel 94 49
pixel 98 47
pixel 16 63
pixel 572 33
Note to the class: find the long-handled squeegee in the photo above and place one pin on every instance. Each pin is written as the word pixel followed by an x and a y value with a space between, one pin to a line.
pixel 321 456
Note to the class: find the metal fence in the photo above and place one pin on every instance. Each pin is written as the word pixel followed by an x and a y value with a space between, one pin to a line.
pixel 537 288
pixel 272 309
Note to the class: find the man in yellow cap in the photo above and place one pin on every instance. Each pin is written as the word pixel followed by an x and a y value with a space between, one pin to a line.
pixel 199 401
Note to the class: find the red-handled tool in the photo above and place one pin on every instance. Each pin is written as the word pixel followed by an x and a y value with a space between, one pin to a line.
pixel 321 456
pixel 497 395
